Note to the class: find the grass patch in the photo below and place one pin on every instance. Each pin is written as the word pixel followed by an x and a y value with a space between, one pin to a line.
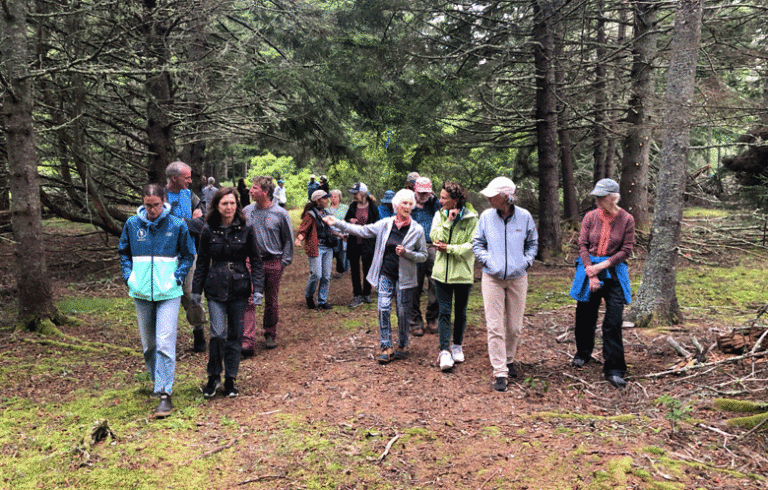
pixel 722 292
pixel 696 212
pixel 549 292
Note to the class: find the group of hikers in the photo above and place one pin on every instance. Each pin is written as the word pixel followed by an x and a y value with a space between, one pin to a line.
pixel 414 240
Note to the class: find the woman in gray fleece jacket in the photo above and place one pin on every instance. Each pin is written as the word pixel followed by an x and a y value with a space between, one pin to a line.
pixel 400 245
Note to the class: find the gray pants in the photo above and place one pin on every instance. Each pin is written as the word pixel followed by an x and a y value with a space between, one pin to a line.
pixel 424 271
pixel 195 313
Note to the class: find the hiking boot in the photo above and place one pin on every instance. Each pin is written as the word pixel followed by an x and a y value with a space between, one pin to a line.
pixel 165 407
pixel 199 345
pixel 445 360
pixel 500 384
pixel 270 342
pixel 356 301
pixel 229 388
pixel 457 353
pixel 324 306
pixel 578 362
pixel 210 389
pixel 431 327
pixel 311 302
pixel 511 371
pixel 417 331
pixel 246 353
pixel 616 380
pixel 367 299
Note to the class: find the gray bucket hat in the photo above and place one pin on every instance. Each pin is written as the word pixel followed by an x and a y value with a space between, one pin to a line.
pixel 605 187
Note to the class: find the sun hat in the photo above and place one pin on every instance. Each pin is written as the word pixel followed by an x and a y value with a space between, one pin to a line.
pixel 359 187
pixel 319 194
pixel 423 184
pixel 387 198
pixel 499 185
pixel 605 187
pixel 281 181
pixel 312 176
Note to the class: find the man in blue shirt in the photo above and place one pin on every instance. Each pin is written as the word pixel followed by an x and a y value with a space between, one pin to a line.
pixel 423 212
pixel 185 205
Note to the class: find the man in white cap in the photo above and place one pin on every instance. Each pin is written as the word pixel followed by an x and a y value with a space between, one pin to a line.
pixel 423 212
pixel 505 243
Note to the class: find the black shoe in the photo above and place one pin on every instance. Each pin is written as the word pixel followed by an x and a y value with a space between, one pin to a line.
pixel 367 299
pixel 229 388
pixel 500 384
pixel 578 362
pixel 246 353
pixel 311 303
pixel 210 389
pixel 512 371
pixel 165 407
pixel 616 380
pixel 199 345
pixel 324 306
pixel 270 342
pixel 356 301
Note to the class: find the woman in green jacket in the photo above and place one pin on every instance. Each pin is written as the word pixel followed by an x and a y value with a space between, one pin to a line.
pixel 452 230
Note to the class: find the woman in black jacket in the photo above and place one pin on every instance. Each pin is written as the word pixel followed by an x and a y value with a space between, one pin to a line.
pixel 225 243
pixel 362 211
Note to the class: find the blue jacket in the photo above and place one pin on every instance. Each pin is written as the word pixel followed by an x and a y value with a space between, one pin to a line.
pixel 426 214
pixel 155 255
pixel 580 287
pixel 506 247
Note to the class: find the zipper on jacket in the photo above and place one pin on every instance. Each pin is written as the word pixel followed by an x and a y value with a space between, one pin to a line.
pixel 506 254
pixel 448 262
pixel 151 265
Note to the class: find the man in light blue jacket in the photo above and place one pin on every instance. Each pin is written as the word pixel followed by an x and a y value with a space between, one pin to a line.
pixel 505 243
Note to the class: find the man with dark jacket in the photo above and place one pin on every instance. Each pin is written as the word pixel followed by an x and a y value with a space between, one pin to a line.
pixel 362 211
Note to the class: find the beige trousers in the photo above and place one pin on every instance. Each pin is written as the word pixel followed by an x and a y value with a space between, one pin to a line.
pixel 504 302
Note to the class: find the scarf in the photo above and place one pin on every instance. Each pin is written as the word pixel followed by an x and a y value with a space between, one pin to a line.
pixel 605 231
pixel 402 222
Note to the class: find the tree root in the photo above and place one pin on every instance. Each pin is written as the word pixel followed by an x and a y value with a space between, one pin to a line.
pixel 742 406
pixel 750 422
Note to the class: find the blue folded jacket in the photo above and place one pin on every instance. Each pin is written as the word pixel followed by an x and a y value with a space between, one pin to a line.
pixel 580 288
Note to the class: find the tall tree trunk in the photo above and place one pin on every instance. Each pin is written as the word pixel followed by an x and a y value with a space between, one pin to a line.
pixel 35 297
pixel 657 298
pixel 570 206
pixel 637 144
pixel 546 128
pixel 160 124
pixel 599 134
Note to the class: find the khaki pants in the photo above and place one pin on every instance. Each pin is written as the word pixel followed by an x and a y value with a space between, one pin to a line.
pixel 195 314
pixel 504 302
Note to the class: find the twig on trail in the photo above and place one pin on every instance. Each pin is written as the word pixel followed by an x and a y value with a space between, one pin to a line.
pixel 657 470
pixel 260 478
pixel 705 365
pixel 273 411
pixel 759 341
pixel 389 446
pixel 715 429
pixel 489 479
pixel 215 450
pixel 576 378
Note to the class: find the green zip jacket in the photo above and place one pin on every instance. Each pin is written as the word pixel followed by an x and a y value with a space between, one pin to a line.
pixel 457 264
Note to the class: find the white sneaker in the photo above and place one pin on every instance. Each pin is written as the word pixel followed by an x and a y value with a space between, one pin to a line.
pixel 445 360
pixel 457 353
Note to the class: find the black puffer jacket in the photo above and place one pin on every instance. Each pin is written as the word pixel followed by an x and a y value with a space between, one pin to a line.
pixel 369 244
pixel 221 271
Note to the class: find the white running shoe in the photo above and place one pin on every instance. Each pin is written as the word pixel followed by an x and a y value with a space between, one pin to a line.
pixel 445 360
pixel 457 353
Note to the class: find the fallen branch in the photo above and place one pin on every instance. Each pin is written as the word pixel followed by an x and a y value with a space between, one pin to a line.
pixel 260 478
pixel 678 348
pixel 576 378
pixel 215 450
pixel 708 364
pixel 389 446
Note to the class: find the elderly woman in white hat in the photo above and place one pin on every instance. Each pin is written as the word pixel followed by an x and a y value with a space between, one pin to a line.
pixel 606 240
pixel 505 243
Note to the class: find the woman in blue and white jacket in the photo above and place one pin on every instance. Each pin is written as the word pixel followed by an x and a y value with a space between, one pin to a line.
pixel 400 245
pixel 156 252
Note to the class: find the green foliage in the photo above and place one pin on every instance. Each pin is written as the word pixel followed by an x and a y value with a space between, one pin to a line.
pixel 677 410
pixel 283 168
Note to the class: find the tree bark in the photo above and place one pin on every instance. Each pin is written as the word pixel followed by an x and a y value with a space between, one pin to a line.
pixel 160 124
pixel 599 134
pixel 637 143
pixel 546 128
pixel 570 205
pixel 35 297
pixel 657 298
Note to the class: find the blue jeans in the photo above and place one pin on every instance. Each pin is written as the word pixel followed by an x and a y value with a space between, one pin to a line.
pixel 320 273
pixel 157 327
pixel 387 291
pixel 225 317
pixel 445 294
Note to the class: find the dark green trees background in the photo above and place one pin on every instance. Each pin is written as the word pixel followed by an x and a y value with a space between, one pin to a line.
pixel 554 94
